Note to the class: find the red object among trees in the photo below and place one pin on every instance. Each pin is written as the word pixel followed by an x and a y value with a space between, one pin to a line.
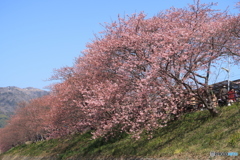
pixel 231 95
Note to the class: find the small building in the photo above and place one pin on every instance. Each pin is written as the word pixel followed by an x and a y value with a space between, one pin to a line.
pixel 233 84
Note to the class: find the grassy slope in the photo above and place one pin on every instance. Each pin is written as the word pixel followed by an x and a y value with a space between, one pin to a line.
pixel 194 135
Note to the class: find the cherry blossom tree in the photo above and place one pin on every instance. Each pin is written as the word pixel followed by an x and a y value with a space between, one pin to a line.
pixel 66 115
pixel 139 72
pixel 28 124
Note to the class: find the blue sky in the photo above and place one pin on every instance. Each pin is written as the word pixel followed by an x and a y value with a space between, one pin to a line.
pixel 38 36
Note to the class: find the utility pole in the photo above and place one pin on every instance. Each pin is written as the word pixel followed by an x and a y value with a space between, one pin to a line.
pixel 228 71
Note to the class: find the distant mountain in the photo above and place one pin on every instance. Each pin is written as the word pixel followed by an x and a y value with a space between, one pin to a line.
pixel 11 96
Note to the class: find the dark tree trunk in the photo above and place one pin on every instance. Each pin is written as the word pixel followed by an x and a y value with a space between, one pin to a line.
pixel 213 111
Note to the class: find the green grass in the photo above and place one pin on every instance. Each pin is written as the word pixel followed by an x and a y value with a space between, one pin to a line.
pixel 193 136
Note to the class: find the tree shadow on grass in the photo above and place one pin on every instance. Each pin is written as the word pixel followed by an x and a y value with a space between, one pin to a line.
pixel 100 142
pixel 178 128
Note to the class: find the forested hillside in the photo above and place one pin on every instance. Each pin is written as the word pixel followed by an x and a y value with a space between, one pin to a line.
pixel 11 96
